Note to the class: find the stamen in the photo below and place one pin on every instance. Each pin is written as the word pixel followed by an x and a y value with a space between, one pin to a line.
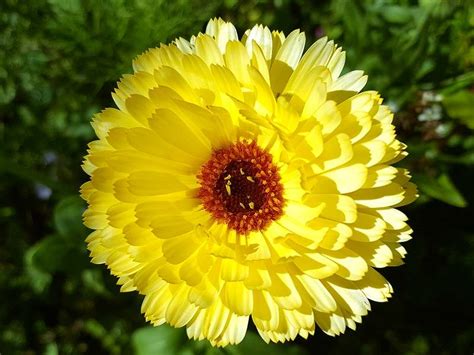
pixel 240 186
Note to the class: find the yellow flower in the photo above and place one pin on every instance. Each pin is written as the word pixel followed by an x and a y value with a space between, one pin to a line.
pixel 241 178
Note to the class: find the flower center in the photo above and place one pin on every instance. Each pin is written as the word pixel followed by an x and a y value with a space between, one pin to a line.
pixel 240 186
pixel 240 190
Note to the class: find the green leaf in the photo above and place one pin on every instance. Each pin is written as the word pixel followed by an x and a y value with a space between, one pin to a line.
pixel 158 340
pixel 68 217
pixel 39 279
pixel 54 253
pixel 461 106
pixel 253 344
pixel 72 7
pixel 397 14
pixel 95 329
pixel 51 349
pixel 214 351
pixel 7 166
pixel 93 280
pixel 441 189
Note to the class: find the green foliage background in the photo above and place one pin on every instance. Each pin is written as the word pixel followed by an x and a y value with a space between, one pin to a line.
pixel 59 61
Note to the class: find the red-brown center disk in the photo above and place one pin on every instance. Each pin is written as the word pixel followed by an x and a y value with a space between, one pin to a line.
pixel 240 186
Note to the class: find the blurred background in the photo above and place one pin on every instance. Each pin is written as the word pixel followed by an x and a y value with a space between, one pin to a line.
pixel 59 62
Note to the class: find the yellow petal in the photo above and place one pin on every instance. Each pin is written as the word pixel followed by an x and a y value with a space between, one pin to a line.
pixel 356 125
pixel 265 101
pixel 352 81
pixel 315 56
pixel 286 60
pixel 292 49
pixel 207 49
pixel 235 331
pixel 328 116
pixel 171 78
pixel 307 145
pixel 120 214
pixel 349 298
pixel 190 272
pixel 377 197
pixel 331 324
pixel 222 31
pixel 394 218
pixel 380 175
pixel 337 235
pixel 232 270
pixel 337 151
pixel 368 228
pixel 376 253
pixel 348 178
pixel 351 265
pixel 322 299
pixel 178 249
pixel 238 298
pixel 166 227
pixel 259 61
pixel 155 303
pixel 284 291
pixel 137 236
pixel 266 311
pixel 262 37
pixel 127 161
pixel 316 265
pixel 190 139
pixel 369 153
pixel 339 208
pixel 179 311
pixel 147 141
pixel 204 294
pixel 226 81
pixel 151 183
pixel 375 287
pixel 258 278
pixel 110 118
pixel 237 60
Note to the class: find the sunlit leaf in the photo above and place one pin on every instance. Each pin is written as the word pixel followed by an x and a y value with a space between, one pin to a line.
pixel 441 189
pixel 461 106
pixel 253 344
pixel 397 14
pixel 93 281
pixel 158 340
pixel 68 217
pixel 39 279
pixel 54 253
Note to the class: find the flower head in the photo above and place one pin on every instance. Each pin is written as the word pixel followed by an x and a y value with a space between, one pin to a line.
pixel 242 179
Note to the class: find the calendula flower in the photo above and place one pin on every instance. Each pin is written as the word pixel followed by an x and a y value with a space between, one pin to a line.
pixel 241 178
